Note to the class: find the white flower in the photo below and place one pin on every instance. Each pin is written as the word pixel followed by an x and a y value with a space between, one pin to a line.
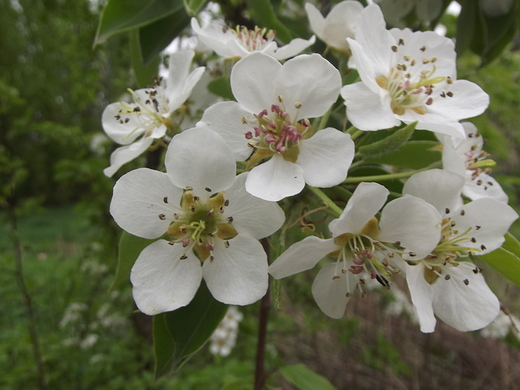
pixel 149 116
pixel 240 42
pixel 501 326
pixel 209 219
pixel 224 337
pixel 408 228
pixel 442 283
pixel 466 158
pixel 339 24
pixel 407 76
pixel 270 121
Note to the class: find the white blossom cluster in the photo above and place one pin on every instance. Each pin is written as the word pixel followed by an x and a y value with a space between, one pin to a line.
pixel 206 221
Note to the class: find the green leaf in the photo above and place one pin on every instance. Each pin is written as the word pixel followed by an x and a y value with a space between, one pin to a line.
pixel 389 144
pixel 394 185
pixel 466 25
pixel 193 7
pixel 124 15
pixel 156 36
pixel 304 378
pixel 265 16
pixel 129 249
pixel 221 86
pixel 181 333
pixel 143 74
pixel 412 155
pixel 512 244
pixel 505 262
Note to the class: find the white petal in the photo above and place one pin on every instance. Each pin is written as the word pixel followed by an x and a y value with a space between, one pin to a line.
pixel 452 160
pixel 238 274
pixel 301 256
pixel 214 37
pixel 275 179
pixel 122 133
pixel 465 307
pixel 138 200
pixel 254 81
pixel 199 158
pixel 331 295
pixel 326 157
pixel 494 219
pixel 126 153
pixel 311 81
pixel 162 282
pixel 439 188
pixel 366 201
pixel 422 297
pixel 251 215
pixel 413 222
pixel 226 118
pixel 468 100
pixel 489 188
pixel 294 47
pixel 366 109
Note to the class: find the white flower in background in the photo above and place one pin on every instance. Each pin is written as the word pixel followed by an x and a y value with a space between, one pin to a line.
pixel 395 11
pixel 501 326
pixel 135 125
pixel 241 41
pixel 209 218
pixel 466 158
pixel 225 336
pixel 446 283
pixel 339 24
pixel 407 77
pixel 269 120
pixel 408 228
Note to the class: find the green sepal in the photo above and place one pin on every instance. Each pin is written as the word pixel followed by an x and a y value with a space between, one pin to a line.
pixel 412 155
pixel 304 378
pixel 506 260
pixel 389 144
pixel 179 334
pixel 125 15
pixel 155 37
pixel 221 86
pixel 130 247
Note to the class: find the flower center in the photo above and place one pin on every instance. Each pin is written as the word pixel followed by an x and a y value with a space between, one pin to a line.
pixel 412 82
pixel 253 40
pixel 200 223
pixel 276 133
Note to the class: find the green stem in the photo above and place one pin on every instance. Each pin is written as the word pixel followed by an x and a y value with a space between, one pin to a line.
pixel 324 119
pixel 390 176
pixel 333 206
pixel 357 134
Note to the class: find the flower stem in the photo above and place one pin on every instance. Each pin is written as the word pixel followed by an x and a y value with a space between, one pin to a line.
pixel 324 119
pixel 390 176
pixel 330 204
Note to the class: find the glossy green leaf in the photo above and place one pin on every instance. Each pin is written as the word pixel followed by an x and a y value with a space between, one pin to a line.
pixel 193 7
pixel 124 15
pixel 143 74
pixel 505 262
pixel 265 16
pixel 156 36
pixel 304 378
pixel 181 333
pixel 412 155
pixel 389 144
pixel 129 249
pixel 221 86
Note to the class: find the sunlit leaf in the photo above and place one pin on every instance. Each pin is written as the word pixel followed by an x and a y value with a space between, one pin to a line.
pixel 143 74
pixel 124 15
pixel 156 36
pixel 181 333
pixel 304 378
pixel 129 249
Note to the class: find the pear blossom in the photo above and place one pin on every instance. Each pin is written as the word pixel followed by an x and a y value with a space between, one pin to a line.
pixel 467 158
pixel 407 77
pixel 445 282
pixel 135 125
pixel 224 337
pixel 339 24
pixel 211 224
pixel 270 121
pixel 408 229
pixel 241 41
